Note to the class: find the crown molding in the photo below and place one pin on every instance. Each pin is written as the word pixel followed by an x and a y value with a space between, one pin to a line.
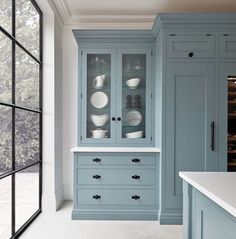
pixel 103 20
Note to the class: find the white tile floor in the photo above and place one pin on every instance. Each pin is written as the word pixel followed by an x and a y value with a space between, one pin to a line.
pixel 59 225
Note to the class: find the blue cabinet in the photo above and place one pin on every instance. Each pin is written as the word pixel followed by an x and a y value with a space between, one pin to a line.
pixel 117 186
pixel 195 57
pixel 116 96
pixel 204 219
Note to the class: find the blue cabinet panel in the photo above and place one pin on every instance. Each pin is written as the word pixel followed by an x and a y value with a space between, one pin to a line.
pixel 114 176
pixel 98 159
pixel 204 219
pixel 228 46
pixel 117 197
pixel 190 46
pixel 190 109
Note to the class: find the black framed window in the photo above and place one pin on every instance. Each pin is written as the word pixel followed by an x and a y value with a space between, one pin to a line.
pixel 20 115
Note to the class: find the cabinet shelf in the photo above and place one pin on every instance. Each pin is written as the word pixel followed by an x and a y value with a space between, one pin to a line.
pixel 231 93
pixel 232 151
pixel 232 138
pixel 232 102
pixel 232 115
pixel 232 164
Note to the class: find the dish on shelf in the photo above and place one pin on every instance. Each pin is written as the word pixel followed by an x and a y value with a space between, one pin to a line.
pixel 99 81
pixel 133 83
pixel 99 99
pixel 99 120
pixel 99 133
pixel 134 135
pixel 134 118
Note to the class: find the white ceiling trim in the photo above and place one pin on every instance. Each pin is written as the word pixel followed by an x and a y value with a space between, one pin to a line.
pixel 105 20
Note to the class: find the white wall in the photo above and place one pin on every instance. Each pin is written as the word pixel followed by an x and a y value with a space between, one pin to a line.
pixel 58 120
pixel 52 195
pixel 70 80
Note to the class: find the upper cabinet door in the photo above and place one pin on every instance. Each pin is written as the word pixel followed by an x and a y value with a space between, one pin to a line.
pixel 134 96
pixel 98 96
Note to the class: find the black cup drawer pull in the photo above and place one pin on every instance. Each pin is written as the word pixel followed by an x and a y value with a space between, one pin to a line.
pixel 136 177
pixel 135 197
pixel 135 160
pixel 190 54
pixel 96 160
pixel 96 176
pixel 96 197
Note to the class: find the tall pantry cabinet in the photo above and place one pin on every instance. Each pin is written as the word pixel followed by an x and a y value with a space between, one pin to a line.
pixel 195 60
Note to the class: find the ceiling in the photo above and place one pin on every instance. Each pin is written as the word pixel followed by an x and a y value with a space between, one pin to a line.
pixel 130 13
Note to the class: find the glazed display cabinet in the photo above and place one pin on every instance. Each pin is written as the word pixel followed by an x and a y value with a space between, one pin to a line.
pixel 116 96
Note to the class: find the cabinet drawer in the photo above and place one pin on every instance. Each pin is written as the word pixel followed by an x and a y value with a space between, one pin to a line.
pixel 134 159
pixel 116 176
pixel 116 197
pixel 190 46
pixel 228 46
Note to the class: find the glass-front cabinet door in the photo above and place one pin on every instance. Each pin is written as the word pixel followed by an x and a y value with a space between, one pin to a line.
pixel 134 96
pixel 97 95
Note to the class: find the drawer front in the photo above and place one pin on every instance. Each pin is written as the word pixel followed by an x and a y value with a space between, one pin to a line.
pixel 228 46
pixel 118 197
pixel 134 159
pixel 190 46
pixel 116 176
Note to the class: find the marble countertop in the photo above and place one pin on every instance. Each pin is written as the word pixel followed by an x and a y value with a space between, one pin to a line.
pixel 218 186
pixel 116 149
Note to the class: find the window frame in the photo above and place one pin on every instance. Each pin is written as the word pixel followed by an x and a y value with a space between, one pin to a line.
pixel 14 106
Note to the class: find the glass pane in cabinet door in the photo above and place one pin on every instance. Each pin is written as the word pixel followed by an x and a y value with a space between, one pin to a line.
pixel 133 95
pixel 98 95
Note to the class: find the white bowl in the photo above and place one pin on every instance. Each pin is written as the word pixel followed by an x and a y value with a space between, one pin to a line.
pixel 133 83
pixel 99 120
pixel 99 133
pixel 135 135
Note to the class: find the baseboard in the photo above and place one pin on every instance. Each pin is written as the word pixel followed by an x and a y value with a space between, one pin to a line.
pixel 171 218
pixel 59 197
pixel 90 215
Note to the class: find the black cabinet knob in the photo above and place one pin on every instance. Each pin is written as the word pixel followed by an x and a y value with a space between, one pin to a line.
pixel 96 160
pixel 113 119
pixel 96 176
pixel 135 160
pixel 135 197
pixel 190 54
pixel 136 177
pixel 96 197
pixel 119 118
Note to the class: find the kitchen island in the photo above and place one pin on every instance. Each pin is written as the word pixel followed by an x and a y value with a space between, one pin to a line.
pixel 209 205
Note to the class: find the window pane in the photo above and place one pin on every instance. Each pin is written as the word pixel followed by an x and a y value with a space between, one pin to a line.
pixel 5 139
pixel 6 14
pixel 27 137
pixel 27 26
pixel 27 80
pixel 27 194
pixel 5 208
pixel 5 69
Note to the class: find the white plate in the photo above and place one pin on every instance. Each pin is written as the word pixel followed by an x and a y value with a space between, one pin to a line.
pixel 134 117
pixel 99 99
pixel 135 135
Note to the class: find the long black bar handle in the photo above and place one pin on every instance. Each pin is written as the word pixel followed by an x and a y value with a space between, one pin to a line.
pixel 212 136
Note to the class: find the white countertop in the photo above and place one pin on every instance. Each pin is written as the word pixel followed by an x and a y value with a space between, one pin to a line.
pixel 218 186
pixel 116 149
